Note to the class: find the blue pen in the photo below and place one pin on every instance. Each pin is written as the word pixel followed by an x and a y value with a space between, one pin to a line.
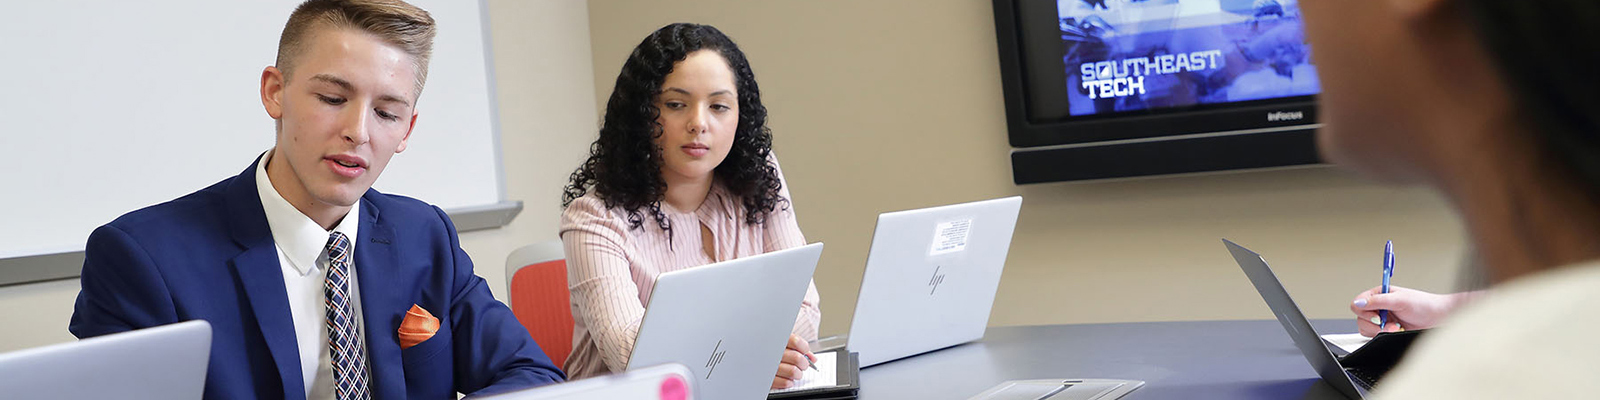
pixel 1388 272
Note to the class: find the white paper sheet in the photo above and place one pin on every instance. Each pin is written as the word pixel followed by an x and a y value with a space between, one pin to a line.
pixel 1347 341
pixel 826 375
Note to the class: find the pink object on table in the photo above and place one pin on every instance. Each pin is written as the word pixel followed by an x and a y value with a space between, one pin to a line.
pixel 674 389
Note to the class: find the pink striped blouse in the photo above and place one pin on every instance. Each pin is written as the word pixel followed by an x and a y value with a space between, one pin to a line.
pixel 611 268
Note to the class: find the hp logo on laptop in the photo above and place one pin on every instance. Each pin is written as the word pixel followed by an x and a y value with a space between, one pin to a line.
pixel 937 279
pixel 716 358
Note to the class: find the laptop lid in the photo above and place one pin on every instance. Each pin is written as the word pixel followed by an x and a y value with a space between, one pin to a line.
pixel 164 362
pixel 931 278
pixel 660 382
pixel 728 322
pixel 1294 322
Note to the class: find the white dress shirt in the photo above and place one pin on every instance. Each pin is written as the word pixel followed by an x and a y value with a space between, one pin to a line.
pixel 303 255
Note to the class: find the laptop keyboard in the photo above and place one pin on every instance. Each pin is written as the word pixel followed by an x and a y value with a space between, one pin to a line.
pixel 1365 380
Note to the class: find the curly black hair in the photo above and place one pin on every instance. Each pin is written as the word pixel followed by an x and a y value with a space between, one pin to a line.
pixel 624 165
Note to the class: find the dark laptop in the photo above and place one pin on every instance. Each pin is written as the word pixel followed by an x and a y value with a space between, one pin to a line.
pixel 1354 374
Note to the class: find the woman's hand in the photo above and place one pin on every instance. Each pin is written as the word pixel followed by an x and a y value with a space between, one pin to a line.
pixel 1408 308
pixel 796 358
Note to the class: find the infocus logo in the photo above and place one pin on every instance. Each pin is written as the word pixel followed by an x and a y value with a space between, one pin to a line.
pixel 937 279
pixel 1285 116
pixel 716 358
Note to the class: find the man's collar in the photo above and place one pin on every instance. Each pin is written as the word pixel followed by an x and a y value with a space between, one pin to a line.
pixel 295 233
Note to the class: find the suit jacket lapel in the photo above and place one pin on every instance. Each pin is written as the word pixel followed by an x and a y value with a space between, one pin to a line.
pixel 383 303
pixel 261 278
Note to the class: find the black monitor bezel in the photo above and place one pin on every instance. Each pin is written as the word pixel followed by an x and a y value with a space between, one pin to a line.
pixel 1203 119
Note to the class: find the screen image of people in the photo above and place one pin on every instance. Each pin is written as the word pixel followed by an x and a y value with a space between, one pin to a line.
pixel 1129 55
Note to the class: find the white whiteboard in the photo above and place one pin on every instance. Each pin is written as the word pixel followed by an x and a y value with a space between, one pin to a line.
pixel 109 106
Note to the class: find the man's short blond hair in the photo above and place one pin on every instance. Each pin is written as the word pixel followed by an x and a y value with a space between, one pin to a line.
pixel 396 22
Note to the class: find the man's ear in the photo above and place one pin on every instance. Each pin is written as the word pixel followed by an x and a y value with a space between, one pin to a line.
pixel 407 138
pixel 272 82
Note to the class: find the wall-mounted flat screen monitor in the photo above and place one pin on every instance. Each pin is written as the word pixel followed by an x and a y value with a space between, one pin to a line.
pixel 1099 89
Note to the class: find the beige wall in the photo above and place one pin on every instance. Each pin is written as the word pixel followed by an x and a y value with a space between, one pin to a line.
pixel 36 314
pixel 547 118
pixel 886 105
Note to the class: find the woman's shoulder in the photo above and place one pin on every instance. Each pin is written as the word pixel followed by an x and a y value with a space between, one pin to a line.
pixel 1552 319
pixel 591 209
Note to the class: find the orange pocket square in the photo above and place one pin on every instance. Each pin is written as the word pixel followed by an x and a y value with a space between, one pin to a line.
pixel 418 326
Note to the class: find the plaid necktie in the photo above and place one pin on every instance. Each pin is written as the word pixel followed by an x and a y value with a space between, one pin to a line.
pixel 344 331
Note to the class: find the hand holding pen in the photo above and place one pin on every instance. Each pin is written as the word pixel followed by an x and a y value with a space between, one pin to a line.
pixel 1374 306
pixel 1391 308
pixel 797 358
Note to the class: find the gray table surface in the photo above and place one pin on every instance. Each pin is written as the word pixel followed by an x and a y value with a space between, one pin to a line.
pixel 1177 360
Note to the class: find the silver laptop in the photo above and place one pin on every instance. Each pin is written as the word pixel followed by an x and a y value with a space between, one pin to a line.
pixel 164 362
pixel 931 278
pixel 661 382
pixel 728 322
pixel 1351 383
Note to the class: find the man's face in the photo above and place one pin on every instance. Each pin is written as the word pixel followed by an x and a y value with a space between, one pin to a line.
pixel 345 110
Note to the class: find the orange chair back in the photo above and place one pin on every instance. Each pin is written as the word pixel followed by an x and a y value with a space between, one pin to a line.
pixel 541 302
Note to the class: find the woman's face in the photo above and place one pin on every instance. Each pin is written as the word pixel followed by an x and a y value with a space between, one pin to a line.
pixel 1358 101
pixel 699 106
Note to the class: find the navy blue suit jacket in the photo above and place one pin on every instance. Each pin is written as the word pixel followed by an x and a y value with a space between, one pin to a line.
pixel 210 255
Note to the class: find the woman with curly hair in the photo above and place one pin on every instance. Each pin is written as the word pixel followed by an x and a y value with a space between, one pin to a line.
pixel 681 176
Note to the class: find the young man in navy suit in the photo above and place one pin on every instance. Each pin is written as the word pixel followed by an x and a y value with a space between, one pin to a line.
pixel 315 285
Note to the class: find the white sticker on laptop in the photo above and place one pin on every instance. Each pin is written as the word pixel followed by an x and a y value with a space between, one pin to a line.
pixel 950 237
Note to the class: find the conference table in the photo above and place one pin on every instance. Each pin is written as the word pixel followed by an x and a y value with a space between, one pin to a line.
pixel 1177 360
